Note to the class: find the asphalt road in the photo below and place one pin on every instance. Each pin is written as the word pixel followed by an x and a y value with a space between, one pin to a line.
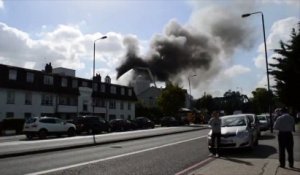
pixel 165 155
pixel 158 155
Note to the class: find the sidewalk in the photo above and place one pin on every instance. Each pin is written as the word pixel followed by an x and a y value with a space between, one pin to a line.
pixel 231 165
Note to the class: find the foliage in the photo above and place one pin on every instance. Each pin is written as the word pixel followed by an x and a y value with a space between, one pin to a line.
pixel 206 103
pixel 171 99
pixel 153 113
pixel 234 101
pixel 286 71
pixel 260 100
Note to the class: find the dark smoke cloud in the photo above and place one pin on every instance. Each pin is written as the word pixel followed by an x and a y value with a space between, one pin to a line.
pixel 181 49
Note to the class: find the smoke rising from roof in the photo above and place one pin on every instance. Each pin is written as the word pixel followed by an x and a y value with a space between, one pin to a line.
pixel 211 36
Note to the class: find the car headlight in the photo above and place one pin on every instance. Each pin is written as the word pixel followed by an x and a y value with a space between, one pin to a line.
pixel 242 134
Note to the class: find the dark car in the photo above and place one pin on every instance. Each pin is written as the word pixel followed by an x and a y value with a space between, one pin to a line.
pixel 121 125
pixel 169 121
pixel 143 123
pixel 91 124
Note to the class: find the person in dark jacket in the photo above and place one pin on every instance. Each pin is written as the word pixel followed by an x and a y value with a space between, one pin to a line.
pixel 215 124
pixel 285 124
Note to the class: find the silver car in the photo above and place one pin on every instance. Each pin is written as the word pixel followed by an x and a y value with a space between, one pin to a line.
pixel 236 132
pixel 264 122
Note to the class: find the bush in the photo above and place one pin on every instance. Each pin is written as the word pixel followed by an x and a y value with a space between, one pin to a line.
pixel 13 124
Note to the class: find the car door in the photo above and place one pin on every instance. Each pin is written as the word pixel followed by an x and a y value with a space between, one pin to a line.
pixel 60 125
pixel 252 127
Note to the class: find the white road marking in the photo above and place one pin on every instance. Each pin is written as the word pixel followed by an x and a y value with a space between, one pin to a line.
pixel 113 157
pixel 197 165
pixel 27 142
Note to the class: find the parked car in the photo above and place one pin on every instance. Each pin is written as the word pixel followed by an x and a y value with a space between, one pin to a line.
pixel 169 121
pixel 121 125
pixel 254 123
pixel 91 124
pixel 143 123
pixel 236 132
pixel 264 122
pixel 44 126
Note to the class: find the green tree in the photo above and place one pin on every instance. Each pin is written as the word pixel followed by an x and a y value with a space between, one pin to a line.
pixel 171 99
pixel 286 71
pixel 260 100
pixel 234 100
pixel 206 102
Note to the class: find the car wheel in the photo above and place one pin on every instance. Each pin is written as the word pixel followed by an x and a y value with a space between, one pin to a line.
pixel 42 133
pixel 29 136
pixel 71 132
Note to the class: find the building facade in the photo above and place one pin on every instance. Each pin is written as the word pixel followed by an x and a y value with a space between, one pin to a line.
pixel 26 93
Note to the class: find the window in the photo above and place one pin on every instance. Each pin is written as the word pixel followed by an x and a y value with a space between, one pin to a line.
pixel 129 106
pixel 9 115
pixel 74 83
pixel 10 97
pixel 48 80
pixel 113 90
pixel 84 84
pixel 129 117
pixel 102 88
pixel 101 103
pixel 122 91
pixel 129 92
pixel 12 74
pixel 122 116
pixel 112 104
pixel 95 86
pixel 64 82
pixel 62 100
pixel 121 105
pixel 47 100
pixel 27 115
pixel 28 98
pixel 29 77
pixel 111 117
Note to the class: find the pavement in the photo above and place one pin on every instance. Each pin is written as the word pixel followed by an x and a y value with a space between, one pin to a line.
pixel 231 165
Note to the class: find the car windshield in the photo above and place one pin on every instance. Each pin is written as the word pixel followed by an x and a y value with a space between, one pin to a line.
pixel 233 121
pixel 261 117
pixel 30 120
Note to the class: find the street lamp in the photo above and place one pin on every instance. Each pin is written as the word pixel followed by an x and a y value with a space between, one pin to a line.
pixel 266 57
pixel 103 37
pixel 190 89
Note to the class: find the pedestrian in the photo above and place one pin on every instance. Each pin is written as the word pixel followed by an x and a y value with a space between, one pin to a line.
pixel 285 124
pixel 215 124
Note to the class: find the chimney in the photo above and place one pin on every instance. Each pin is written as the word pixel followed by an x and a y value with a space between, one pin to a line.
pixel 48 68
pixel 97 78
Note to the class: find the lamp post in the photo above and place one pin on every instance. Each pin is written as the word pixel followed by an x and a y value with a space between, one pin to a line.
pixel 103 37
pixel 266 57
pixel 190 89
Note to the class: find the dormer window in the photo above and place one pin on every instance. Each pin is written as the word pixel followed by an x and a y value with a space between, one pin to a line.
pixel 129 92
pixel 113 90
pixel 64 82
pixel 102 88
pixel 107 80
pixel 29 77
pixel 122 91
pixel 48 80
pixel 12 74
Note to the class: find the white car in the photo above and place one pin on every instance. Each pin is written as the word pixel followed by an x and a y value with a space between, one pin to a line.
pixel 44 126
pixel 236 132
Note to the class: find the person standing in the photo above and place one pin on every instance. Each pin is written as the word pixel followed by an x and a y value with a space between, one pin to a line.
pixel 285 124
pixel 215 124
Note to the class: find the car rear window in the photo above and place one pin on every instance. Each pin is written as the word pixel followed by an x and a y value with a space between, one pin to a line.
pixel 30 120
pixel 47 121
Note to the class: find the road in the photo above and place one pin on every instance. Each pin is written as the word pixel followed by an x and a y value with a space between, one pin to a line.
pixel 158 155
pixel 163 155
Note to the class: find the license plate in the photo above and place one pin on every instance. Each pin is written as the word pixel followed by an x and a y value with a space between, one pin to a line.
pixel 226 141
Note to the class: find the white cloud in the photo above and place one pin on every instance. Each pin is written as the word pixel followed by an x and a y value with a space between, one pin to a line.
pixel 1 4
pixel 263 82
pixel 65 46
pixel 236 70
pixel 289 2
pixel 280 30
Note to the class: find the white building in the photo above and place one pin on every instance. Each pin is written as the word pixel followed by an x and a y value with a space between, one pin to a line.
pixel 57 92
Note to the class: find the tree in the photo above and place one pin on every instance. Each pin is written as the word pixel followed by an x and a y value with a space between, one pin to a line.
pixel 234 100
pixel 206 102
pixel 286 71
pixel 171 99
pixel 260 100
